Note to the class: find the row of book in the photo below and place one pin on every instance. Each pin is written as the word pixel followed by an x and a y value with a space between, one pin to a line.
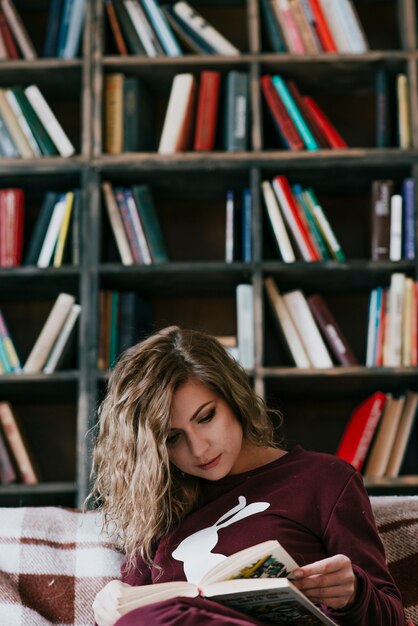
pixel 296 215
pixel 135 225
pixel 393 324
pixel 313 26
pixel 393 234
pixel 63 35
pixel 28 127
pixel 380 437
pixel 144 27
pixel 51 344
pixel 55 237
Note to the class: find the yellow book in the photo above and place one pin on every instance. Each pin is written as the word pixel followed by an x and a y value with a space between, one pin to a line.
pixel 63 231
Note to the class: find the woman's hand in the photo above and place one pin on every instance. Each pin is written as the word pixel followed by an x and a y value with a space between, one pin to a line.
pixel 330 581
pixel 105 603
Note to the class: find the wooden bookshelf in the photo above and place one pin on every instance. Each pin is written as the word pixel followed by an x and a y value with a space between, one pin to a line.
pixel 197 288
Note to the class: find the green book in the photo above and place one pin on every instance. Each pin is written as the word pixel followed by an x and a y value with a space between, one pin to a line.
pixel 46 145
pixel 313 226
pixel 237 113
pixel 324 226
pixel 295 114
pixel 150 223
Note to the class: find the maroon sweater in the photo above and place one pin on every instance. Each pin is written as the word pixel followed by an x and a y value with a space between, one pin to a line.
pixel 314 504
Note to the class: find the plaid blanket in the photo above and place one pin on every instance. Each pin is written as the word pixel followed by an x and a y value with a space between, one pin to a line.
pixel 397 521
pixel 52 563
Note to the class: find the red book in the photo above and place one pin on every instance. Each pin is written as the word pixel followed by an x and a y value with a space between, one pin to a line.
pixel 115 28
pixel 307 114
pixel 332 135
pixel 321 26
pixel 11 227
pixel 281 184
pixel 9 41
pixel 281 117
pixel 207 110
pixel 330 329
pixel 360 429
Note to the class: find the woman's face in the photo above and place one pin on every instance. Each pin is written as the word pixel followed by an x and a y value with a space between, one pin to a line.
pixel 206 438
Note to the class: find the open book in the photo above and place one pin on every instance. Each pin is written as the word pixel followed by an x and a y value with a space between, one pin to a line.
pixel 253 581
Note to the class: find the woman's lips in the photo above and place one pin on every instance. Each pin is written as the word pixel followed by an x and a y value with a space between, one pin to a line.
pixel 212 463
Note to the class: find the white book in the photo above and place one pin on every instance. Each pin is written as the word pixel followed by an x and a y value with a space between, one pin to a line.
pixel 51 235
pixel 371 329
pixel 245 325
pixel 142 27
pixel 277 223
pixel 204 29
pixel 290 221
pixel 18 29
pixel 62 340
pixel 352 26
pixel 392 355
pixel 78 11
pixel 116 223
pixel 138 228
pixel 49 333
pixel 308 330
pixel 178 111
pixel 289 329
pixel 21 120
pixel 161 27
pixel 229 228
pixel 333 18
pixel 16 133
pixel 395 244
pixel 49 121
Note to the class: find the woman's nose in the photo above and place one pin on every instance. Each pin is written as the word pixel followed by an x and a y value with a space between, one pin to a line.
pixel 198 446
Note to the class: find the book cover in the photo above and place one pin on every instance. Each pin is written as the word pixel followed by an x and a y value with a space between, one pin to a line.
pixel 49 121
pixel 177 130
pixel 18 29
pixel 150 222
pixel 116 224
pixel 285 127
pixel 360 429
pixel 11 226
pixel 49 334
pixel 253 581
pixel 198 23
pixel 277 223
pixel 207 110
pixel 382 191
pixel 334 138
pixel 237 112
pixel 286 325
pixel 13 434
pixel 382 445
pixel 332 332
pixel 304 321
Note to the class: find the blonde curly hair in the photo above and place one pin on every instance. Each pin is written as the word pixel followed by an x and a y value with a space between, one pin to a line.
pixel 141 494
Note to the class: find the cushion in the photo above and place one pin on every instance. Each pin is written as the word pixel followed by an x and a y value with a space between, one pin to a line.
pixel 397 521
pixel 53 561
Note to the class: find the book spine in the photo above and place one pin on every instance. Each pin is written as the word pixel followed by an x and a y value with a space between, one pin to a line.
pixel 6 365
pixel 49 333
pixel 247 226
pixel 11 226
pixel 138 227
pixel 64 26
pixel 330 9
pixel 62 340
pixel 75 29
pixel 143 28
pixel 51 38
pixel 9 345
pixel 40 229
pixel 303 26
pixel 352 25
pixel 282 120
pixel 392 356
pixel 406 348
pixel 272 28
pixel 380 222
pixel 331 331
pixel 294 113
pixel 17 446
pixel 404 111
pixel 51 235
pixel 7 146
pixel 18 137
pixel 7 471
pixel 128 225
pixel 332 135
pixel 237 111
pixel 18 29
pixel 45 143
pixel 114 113
pixel 187 35
pixel 395 240
pixel 63 231
pixel 277 223
pixel 177 128
pixel 9 42
pixel 116 224
pixel 230 208
pixel 50 122
pixel 245 325
pixel 163 30
pixel 322 28
pixel 325 227
pixel 3 55
pixel 115 28
pixel 149 219
pixel 23 123
pixel 408 201
pixel 302 200
pixel 207 110
pixel 204 29
pixel 131 114
pixel 132 40
pixel 382 108
pixel 294 41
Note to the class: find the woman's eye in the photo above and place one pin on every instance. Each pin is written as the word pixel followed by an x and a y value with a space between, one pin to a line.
pixel 207 417
pixel 172 439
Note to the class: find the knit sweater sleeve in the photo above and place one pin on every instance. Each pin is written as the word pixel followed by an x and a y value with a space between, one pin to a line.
pixel 352 531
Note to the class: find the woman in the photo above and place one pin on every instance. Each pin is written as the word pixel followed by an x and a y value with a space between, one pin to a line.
pixel 186 466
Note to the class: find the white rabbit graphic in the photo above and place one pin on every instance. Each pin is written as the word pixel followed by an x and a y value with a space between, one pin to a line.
pixel 196 550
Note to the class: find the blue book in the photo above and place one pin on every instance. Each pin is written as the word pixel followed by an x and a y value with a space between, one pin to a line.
pixel 75 29
pixel 52 29
pixel 162 28
pixel 7 145
pixel 408 229
pixel 247 226
pixel 295 114
pixel 64 26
